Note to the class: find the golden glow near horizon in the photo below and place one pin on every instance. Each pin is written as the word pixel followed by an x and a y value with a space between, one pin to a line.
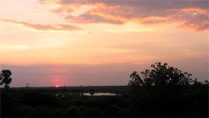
pixel 37 32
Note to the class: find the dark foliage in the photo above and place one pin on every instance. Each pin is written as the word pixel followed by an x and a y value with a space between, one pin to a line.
pixel 166 91
pixel 5 78
pixel 190 101
pixel 161 75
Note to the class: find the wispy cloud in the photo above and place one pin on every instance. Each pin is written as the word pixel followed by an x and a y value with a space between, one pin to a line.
pixel 42 27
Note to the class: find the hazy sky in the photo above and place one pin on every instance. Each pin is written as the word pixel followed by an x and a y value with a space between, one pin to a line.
pixel 100 42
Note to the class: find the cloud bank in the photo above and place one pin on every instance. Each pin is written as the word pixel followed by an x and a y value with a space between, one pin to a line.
pixel 188 14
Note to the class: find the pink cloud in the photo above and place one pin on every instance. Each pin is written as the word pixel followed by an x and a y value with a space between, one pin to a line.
pixel 45 27
pixel 120 12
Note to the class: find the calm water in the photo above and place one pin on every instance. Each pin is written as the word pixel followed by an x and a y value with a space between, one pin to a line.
pixel 88 94
pixel 100 94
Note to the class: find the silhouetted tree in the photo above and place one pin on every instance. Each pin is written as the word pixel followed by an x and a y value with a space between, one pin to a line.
pixel 160 75
pixel 135 80
pixel 206 82
pixel 5 78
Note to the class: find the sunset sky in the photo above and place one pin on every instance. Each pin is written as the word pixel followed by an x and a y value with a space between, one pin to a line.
pixel 100 42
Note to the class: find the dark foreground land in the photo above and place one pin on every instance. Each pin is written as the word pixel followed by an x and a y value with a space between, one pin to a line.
pixel 68 102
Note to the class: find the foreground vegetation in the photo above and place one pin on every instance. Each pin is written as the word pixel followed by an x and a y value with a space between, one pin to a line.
pixel 163 91
pixel 190 101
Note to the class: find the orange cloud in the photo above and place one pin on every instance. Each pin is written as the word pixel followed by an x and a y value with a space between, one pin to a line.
pixel 188 14
pixel 40 27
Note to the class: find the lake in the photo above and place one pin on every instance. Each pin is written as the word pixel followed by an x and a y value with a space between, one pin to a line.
pixel 88 94
pixel 100 94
